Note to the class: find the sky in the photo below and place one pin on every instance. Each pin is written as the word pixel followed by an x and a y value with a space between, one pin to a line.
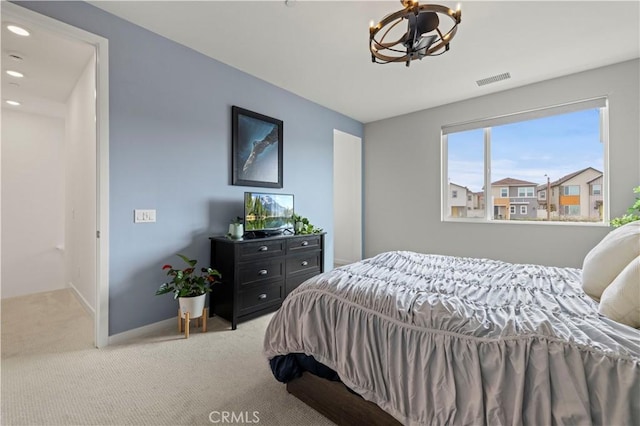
pixel 528 150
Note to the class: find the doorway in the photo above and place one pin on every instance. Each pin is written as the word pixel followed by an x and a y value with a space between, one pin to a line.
pixel 347 198
pixel 86 188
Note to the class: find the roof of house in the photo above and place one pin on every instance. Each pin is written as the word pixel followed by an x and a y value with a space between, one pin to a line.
pixel 460 186
pixel 565 178
pixel 513 182
pixel 595 178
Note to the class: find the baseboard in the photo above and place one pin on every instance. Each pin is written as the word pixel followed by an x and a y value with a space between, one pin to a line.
pixel 342 262
pixel 87 307
pixel 142 331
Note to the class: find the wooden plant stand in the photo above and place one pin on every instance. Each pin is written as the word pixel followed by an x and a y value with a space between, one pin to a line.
pixel 200 322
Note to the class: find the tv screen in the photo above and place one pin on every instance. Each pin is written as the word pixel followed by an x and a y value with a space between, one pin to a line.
pixel 267 211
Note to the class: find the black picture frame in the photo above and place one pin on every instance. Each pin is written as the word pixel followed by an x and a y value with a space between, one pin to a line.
pixel 256 149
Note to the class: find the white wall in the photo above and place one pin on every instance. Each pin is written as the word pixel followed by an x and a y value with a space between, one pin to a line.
pixel 80 182
pixel 403 174
pixel 347 198
pixel 32 203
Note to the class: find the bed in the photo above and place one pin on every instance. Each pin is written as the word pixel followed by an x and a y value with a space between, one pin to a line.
pixel 436 340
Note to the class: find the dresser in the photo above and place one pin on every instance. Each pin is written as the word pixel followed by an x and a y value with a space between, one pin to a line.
pixel 257 274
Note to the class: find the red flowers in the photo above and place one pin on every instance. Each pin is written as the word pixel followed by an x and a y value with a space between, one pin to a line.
pixel 167 267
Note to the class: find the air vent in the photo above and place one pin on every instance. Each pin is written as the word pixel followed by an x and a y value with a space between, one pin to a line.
pixel 493 79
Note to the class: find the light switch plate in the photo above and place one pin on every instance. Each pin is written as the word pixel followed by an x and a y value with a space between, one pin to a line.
pixel 144 216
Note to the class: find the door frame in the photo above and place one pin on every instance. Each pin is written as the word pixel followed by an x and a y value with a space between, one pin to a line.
pixel 356 226
pixel 101 46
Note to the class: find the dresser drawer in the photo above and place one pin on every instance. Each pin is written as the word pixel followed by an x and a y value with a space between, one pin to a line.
pixel 260 270
pixel 295 281
pixel 261 249
pixel 308 242
pixel 260 297
pixel 303 262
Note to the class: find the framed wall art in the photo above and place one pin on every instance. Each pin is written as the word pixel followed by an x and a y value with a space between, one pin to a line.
pixel 256 149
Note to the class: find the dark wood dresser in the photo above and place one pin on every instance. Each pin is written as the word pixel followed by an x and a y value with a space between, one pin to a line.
pixel 257 274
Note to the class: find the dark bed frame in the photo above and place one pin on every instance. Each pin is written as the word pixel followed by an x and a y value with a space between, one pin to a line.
pixel 337 403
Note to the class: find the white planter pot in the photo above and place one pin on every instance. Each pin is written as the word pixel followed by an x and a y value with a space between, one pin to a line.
pixel 236 231
pixel 193 305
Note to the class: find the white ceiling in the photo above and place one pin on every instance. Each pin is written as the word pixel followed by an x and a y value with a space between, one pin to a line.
pixel 51 66
pixel 319 49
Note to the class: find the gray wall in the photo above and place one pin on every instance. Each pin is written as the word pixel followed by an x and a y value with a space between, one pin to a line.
pixel 402 203
pixel 170 136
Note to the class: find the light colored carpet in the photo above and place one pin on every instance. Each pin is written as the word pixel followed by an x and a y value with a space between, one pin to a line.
pixel 52 375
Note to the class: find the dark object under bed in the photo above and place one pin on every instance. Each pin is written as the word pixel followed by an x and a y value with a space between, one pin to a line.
pixel 320 387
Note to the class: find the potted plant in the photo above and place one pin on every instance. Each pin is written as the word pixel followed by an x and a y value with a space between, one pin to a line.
pixel 301 225
pixel 188 286
pixel 236 228
pixel 633 212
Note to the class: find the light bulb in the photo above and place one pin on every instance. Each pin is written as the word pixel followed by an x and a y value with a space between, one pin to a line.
pixel 18 30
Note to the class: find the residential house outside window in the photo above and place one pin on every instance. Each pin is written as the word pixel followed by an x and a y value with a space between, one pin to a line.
pixel 454 194
pixel 571 210
pixel 526 191
pixel 531 154
pixel 596 189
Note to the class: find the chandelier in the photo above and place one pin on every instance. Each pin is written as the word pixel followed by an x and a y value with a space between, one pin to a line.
pixel 424 36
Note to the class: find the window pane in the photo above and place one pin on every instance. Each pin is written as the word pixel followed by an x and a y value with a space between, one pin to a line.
pixel 465 168
pixel 566 149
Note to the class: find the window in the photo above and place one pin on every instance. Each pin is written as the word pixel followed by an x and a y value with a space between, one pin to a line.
pixel 596 189
pixel 564 143
pixel 454 194
pixel 523 209
pixel 571 210
pixel 468 197
pixel 512 209
pixel 571 190
pixel 525 191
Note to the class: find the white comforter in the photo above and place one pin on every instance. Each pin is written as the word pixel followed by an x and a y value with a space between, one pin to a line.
pixel 446 340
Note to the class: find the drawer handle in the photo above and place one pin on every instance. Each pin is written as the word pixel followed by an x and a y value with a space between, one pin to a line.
pixel 262 296
pixel 263 248
pixel 304 263
pixel 263 272
pixel 305 243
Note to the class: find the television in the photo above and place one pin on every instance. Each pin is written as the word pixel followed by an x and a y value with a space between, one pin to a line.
pixel 267 213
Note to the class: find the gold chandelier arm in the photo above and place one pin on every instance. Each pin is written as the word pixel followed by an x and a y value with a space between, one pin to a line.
pixel 387 45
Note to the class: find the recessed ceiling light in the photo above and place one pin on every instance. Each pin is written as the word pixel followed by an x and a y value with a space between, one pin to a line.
pixel 15 74
pixel 14 103
pixel 18 30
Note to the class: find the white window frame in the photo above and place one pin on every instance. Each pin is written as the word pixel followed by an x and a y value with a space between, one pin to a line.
pixel 512 209
pixel 525 191
pixel 566 187
pixel 486 124
pixel 542 195
pixel 593 189
pixel 504 192
pixel 523 209
pixel 454 193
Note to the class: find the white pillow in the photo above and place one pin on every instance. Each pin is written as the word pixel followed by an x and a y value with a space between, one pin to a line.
pixel 609 257
pixel 621 300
